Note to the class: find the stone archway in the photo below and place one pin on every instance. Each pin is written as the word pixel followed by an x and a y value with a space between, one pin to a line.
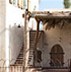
pixel 56 56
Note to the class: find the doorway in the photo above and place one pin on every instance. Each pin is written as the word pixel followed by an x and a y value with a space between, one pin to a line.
pixel 56 56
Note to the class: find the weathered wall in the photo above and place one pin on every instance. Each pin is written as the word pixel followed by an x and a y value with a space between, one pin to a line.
pixel 57 36
pixel 2 31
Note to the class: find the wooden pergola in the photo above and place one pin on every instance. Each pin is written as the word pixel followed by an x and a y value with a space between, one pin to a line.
pixel 51 19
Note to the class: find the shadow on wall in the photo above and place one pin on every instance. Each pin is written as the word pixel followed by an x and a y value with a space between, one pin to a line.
pixel 16 40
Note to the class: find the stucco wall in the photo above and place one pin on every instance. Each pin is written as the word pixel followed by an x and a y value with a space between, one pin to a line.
pixel 14 35
pixel 2 31
pixel 57 36
pixel 16 42
pixel 13 14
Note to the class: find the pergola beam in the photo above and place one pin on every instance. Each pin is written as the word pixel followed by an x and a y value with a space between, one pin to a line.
pixel 51 15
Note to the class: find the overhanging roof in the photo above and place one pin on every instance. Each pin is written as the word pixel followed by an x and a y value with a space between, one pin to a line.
pixel 52 14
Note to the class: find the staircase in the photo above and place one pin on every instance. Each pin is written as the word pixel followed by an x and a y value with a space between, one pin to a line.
pixel 19 59
pixel 32 39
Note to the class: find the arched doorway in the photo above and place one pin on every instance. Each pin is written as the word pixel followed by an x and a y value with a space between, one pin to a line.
pixel 56 56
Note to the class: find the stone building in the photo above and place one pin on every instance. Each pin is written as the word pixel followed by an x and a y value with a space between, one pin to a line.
pixel 45 49
pixel 49 49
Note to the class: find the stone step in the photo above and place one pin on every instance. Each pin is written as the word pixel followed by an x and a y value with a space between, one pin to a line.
pixel 20 55
pixel 55 70
pixel 19 59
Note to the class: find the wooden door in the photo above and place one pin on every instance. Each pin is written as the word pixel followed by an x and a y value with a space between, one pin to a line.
pixel 57 56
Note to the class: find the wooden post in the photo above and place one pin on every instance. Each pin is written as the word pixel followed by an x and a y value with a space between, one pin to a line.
pixel 35 45
pixel 25 39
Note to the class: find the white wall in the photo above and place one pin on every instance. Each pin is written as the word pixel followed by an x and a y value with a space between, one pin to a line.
pixel 14 14
pixel 14 35
pixel 16 42
pixel 32 24
pixel 52 37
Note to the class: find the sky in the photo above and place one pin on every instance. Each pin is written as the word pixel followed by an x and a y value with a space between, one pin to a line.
pixel 51 4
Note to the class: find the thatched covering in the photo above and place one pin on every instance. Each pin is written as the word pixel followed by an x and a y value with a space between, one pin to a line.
pixel 53 18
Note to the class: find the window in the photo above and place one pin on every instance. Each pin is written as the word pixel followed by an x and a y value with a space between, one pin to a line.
pixel 56 56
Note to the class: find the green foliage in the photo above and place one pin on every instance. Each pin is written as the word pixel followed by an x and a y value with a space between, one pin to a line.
pixel 66 3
